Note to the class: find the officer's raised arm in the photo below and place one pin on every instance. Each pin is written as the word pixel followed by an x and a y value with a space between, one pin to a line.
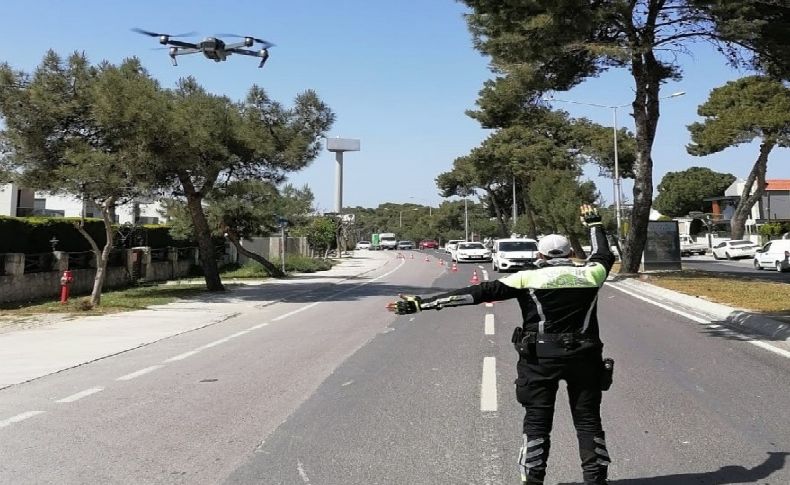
pixel 601 253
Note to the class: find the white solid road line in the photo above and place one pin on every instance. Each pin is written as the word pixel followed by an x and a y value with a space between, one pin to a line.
pixel 294 312
pixel 19 417
pixel 489 324
pixel 485 275
pixel 81 394
pixel 129 377
pixel 488 400
pixel 260 325
pixel 708 323
pixel 489 305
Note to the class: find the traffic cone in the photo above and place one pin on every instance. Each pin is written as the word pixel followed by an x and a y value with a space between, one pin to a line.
pixel 441 262
pixel 475 280
pixel 412 255
pixel 455 267
pixel 427 259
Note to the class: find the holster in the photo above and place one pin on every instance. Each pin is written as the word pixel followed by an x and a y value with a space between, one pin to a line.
pixel 524 342
pixel 607 373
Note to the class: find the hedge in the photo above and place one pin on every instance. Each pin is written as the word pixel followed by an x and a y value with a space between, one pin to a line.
pixel 31 235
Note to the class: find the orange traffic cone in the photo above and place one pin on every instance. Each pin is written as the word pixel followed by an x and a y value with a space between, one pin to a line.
pixel 441 262
pixel 475 280
pixel 455 267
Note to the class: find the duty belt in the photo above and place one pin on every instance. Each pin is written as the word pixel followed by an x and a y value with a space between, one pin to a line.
pixel 525 341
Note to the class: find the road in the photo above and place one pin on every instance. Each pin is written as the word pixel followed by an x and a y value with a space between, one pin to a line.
pixel 736 267
pixel 327 388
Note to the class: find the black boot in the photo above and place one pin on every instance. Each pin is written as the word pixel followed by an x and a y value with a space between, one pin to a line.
pixel 595 459
pixel 533 458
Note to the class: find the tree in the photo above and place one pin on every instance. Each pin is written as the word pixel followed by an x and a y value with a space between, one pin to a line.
pixel 200 140
pixel 321 233
pixel 741 111
pixel 680 193
pixel 58 143
pixel 557 195
pixel 539 47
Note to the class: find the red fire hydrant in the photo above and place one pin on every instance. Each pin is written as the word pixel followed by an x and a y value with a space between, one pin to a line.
pixel 65 283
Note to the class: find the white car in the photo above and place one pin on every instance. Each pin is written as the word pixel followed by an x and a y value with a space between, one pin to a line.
pixel 513 254
pixel 451 245
pixel 363 245
pixel 775 254
pixel 470 251
pixel 734 249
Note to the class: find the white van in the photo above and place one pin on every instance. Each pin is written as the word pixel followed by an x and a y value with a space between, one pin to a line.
pixel 775 254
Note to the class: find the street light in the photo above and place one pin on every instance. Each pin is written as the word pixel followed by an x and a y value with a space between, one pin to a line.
pixel 617 201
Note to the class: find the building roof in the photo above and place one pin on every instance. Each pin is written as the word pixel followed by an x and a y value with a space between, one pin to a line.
pixel 777 184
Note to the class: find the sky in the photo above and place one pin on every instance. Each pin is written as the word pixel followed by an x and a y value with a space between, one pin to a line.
pixel 398 75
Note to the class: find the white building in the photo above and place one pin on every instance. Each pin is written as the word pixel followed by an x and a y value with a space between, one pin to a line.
pixel 16 201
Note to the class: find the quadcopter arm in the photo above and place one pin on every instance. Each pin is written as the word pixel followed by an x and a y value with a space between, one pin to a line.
pixel 263 54
pixel 183 45
pixel 175 51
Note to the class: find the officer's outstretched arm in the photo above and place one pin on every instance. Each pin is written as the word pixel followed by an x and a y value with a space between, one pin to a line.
pixel 470 295
pixel 600 245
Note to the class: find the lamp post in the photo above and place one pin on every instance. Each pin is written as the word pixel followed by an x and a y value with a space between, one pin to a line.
pixel 617 191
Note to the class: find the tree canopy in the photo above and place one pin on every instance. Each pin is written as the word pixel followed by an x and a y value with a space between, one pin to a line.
pixel 680 193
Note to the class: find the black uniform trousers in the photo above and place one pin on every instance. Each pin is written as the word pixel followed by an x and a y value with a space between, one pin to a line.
pixel 536 390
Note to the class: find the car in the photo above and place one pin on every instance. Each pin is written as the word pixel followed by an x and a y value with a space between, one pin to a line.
pixel 451 245
pixel 775 254
pixel 469 252
pixel 405 244
pixel 363 245
pixel 733 249
pixel 689 247
pixel 428 244
pixel 513 254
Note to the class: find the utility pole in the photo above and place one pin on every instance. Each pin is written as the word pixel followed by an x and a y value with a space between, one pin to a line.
pixel 515 207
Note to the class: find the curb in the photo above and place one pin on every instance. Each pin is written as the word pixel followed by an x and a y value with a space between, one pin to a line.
pixel 736 318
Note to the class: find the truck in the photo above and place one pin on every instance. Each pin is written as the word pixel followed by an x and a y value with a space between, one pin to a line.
pixel 689 247
pixel 387 240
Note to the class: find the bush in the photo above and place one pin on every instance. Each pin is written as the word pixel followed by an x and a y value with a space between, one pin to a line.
pixel 31 235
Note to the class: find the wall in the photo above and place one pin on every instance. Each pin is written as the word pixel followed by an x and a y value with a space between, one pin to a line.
pixel 8 200
pixel 271 247
pixel 18 286
pixel 779 204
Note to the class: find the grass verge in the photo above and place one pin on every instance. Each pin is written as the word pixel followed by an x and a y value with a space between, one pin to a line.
pixel 293 264
pixel 112 301
pixel 752 294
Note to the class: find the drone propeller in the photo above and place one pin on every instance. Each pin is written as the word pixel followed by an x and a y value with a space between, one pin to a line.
pixel 266 43
pixel 154 34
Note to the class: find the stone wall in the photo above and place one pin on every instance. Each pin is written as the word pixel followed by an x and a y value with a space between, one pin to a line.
pixel 271 247
pixel 16 285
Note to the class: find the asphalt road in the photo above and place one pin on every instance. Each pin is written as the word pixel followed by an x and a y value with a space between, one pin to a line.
pixel 340 392
pixel 736 267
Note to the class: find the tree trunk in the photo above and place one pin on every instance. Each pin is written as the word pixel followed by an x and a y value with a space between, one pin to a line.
pixel 267 265
pixel 203 235
pixel 646 72
pixel 498 211
pixel 532 228
pixel 103 255
pixel 749 198
pixel 576 244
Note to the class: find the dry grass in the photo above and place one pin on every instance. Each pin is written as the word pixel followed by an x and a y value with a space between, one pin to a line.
pixel 741 292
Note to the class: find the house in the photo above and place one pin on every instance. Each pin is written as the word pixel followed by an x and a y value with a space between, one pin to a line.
pixel 17 201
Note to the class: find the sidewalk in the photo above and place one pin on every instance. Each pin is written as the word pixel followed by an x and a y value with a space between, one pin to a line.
pixel 37 350
pixel 700 309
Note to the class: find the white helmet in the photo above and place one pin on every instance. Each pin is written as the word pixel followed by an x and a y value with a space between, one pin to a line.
pixel 554 246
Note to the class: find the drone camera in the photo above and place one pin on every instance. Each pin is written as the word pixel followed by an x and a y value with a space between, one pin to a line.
pixel 248 41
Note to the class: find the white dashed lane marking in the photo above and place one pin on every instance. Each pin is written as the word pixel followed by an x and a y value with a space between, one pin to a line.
pixel 81 394
pixel 19 417
pixel 489 324
pixel 129 377
pixel 488 398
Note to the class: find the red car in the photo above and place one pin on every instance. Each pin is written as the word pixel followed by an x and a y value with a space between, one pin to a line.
pixel 429 244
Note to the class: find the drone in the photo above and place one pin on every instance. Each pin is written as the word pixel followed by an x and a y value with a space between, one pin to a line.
pixel 213 48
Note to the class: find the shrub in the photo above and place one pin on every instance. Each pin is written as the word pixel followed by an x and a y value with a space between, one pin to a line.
pixel 293 264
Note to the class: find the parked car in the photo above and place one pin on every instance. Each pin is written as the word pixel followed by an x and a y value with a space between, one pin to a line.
pixel 451 245
pixel 513 254
pixel 775 254
pixel 734 249
pixel 405 244
pixel 470 251
pixel 428 244
pixel 689 247
pixel 363 245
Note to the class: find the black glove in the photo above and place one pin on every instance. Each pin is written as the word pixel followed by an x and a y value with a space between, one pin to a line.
pixel 590 215
pixel 406 306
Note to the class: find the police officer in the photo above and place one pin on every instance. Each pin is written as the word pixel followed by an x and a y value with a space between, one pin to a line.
pixel 558 340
